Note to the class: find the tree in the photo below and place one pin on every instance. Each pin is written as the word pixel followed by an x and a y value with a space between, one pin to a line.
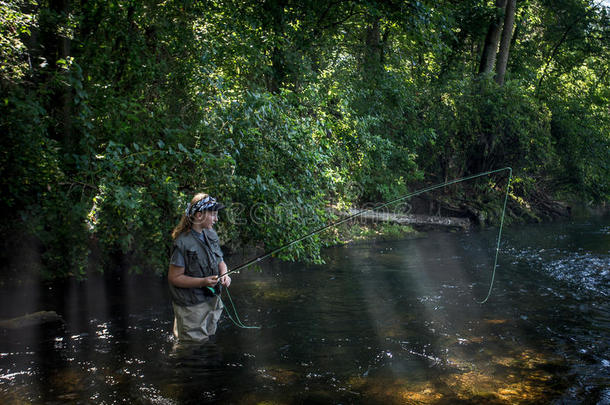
pixel 490 47
pixel 505 42
pixel 113 112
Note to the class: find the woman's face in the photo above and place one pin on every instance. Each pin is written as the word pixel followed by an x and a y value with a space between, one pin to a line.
pixel 207 218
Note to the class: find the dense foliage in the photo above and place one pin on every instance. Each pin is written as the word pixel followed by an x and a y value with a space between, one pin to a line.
pixel 113 113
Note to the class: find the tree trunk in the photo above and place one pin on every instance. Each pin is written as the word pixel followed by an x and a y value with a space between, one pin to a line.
pixel 373 54
pixel 276 20
pixel 492 39
pixel 507 33
pixel 54 47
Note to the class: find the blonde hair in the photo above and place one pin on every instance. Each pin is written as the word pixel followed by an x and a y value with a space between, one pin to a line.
pixel 185 222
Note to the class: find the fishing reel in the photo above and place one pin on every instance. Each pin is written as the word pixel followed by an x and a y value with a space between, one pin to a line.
pixel 211 291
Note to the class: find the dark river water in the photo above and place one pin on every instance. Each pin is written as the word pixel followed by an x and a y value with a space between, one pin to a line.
pixel 380 323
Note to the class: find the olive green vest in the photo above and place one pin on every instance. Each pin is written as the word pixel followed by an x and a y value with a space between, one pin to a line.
pixel 201 259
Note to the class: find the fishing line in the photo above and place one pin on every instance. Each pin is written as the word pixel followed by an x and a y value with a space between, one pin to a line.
pixel 236 321
pixel 410 195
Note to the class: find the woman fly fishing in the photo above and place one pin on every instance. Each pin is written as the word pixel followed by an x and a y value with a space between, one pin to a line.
pixel 196 271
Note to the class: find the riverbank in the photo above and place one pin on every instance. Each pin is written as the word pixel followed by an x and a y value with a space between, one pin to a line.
pixel 455 215
pixel 451 213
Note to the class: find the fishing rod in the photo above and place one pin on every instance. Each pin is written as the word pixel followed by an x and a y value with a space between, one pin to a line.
pixel 410 195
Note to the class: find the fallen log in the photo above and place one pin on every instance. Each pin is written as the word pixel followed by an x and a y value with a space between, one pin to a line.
pixel 418 221
pixel 32 319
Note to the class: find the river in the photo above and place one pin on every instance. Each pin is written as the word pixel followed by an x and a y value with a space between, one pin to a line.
pixel 389 322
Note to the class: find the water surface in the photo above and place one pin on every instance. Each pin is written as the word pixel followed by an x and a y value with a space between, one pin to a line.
pixel 380 323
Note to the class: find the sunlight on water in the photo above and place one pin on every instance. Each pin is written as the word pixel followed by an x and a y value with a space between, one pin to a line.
pixel 583 270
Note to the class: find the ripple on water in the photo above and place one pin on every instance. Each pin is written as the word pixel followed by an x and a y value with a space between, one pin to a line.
pixel 586 271
pixel 604 231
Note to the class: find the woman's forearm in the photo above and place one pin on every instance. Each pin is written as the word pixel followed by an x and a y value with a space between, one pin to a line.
pixel 177 277
pixel 222 268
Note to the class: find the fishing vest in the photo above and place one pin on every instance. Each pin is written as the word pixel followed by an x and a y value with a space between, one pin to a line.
pixel 201 259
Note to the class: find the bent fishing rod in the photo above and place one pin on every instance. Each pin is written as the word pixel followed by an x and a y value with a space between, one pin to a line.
pixel 410 195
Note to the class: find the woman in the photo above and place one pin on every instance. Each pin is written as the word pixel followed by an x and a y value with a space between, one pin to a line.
pixel 195 270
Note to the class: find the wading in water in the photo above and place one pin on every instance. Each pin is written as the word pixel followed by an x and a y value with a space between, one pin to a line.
pixel 195 270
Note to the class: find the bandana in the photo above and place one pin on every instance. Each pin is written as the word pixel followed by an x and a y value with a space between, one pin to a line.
pixel 205 204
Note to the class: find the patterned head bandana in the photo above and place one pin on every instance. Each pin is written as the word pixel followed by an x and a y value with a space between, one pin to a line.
pixel 205 204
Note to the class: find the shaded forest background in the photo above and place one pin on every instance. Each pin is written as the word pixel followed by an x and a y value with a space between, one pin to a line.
pixel 114 112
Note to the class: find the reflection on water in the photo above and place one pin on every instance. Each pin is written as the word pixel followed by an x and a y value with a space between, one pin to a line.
pixel 393 323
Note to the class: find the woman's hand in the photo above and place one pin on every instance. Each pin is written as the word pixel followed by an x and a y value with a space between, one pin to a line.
pixel 225 280
pixel 210 281
pixel 222 269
